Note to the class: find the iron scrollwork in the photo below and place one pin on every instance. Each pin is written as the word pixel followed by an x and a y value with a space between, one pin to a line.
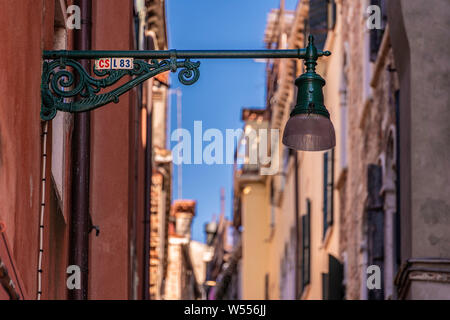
pixel 66 79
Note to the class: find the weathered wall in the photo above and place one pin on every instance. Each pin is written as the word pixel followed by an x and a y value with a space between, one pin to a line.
pixel 174 269
pixel 111 163
pixel 422 53
pixel 429 127
pixel 117 157
pixel 27 30
pixel 177 282
pixel 371 112
pixel 281 266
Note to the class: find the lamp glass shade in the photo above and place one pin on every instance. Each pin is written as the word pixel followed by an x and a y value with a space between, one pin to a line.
pixel 309 132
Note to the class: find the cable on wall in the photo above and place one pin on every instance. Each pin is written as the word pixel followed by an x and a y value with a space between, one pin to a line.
pixel 42 211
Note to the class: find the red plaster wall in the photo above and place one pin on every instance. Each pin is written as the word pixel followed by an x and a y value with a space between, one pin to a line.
pixel 26 30
pixel 117 167
pixel 110 164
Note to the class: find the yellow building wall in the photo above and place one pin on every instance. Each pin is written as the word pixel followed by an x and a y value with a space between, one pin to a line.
pixel 263 246
pixel 255 254
pixel 311 171
pixel 284 229
pixel 311 187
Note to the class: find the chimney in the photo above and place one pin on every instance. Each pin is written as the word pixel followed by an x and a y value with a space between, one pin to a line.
pixel 184 212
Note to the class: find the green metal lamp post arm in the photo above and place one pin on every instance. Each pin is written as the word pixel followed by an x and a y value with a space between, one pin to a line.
pixel 179 54
pixel 64 78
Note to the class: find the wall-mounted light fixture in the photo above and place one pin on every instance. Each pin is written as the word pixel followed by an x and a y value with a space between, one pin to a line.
pixel 309 127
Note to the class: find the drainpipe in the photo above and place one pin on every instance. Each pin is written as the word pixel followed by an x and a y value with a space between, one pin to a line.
pixel 297 227
pixel 148 185
pixel 80 222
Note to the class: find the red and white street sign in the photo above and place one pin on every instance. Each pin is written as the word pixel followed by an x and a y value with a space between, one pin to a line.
pixel 114 63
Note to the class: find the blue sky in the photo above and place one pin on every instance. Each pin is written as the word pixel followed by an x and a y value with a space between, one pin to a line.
pixel 224 87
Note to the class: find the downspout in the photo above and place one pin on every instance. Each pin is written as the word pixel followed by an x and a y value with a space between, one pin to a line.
pixel 148 185
pixel 80 222
pixel 297 227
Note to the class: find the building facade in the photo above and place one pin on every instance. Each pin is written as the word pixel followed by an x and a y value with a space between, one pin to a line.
pixel 181 281
pixel 329 222
pixel 38 163
pixel 221 261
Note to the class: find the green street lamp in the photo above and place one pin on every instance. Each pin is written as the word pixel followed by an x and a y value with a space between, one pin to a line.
pixel 309 127
pixel 67 86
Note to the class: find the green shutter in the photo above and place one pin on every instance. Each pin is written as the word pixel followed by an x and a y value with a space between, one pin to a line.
pixel 376 35
pixel 306 252
pixel 322 17
pixel 328 187
pixel 375 224
pixel 335 279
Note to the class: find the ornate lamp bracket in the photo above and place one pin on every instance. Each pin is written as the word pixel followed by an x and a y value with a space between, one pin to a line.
pixel 67 86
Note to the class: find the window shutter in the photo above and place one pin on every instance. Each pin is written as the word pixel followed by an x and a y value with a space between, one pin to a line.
pixel 322 17
pixel 306 238
pixel 307 221
pixel 328 186
pixel 331 14
pixel 332 287
pixel 376 35
pixel 335 278
pixel 375 224
pixel 318 19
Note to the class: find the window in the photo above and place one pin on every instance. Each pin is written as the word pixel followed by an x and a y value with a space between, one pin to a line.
pixel 306 238
pixel 376 35
pixel 322 18
pixel 328 185
pixel 375 225
pixel 332 282
pixel 331 14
